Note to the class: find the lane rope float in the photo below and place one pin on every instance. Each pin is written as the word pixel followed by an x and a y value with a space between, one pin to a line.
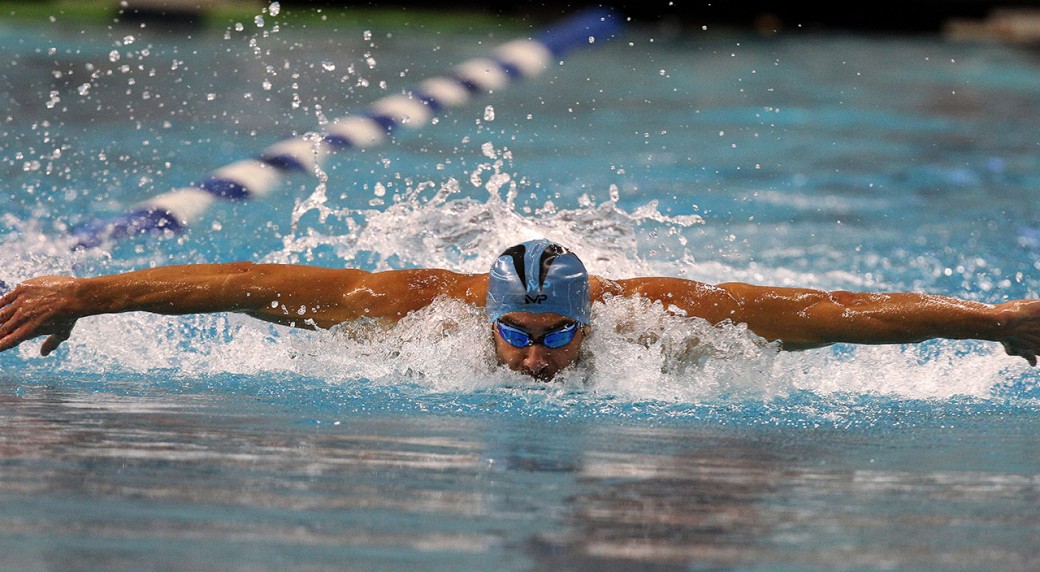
pixel 248 179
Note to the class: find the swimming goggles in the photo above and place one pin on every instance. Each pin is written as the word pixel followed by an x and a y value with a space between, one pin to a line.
pixel 552 339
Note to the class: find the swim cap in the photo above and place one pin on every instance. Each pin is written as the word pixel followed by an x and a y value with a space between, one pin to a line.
pixel 541 277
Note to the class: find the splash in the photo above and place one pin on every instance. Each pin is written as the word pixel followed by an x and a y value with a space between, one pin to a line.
pixel 638 353
pixel 30 250
pixel 439 225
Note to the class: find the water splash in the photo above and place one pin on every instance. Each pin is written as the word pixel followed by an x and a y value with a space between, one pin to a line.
pixel 437 225
pixel 638 357
pixel 638 353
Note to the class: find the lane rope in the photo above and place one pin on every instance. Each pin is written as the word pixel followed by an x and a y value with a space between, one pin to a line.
pixel 248 179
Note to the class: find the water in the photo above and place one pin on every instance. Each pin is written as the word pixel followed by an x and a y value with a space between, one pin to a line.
pixel 220 443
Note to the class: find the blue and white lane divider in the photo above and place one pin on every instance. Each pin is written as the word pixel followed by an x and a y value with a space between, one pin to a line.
pixel 254 178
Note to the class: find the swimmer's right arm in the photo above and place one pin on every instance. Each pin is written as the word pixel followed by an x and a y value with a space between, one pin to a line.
pixel 294 295
pixel 803 318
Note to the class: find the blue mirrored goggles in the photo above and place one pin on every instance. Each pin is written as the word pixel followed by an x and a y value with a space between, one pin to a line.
pixel 552 339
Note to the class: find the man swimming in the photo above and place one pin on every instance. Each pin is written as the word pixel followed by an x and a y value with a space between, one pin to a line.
pixel 538 297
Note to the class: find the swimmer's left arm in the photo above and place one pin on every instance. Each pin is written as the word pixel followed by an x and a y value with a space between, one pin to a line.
pixel 51 305
pixel 295 295
pixel 804 318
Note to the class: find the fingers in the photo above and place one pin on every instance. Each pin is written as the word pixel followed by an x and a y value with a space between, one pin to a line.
pixel 8 306
pixel 55 340
pixel 5 291
pixel 10 340
pixel 14 334
pixel 30 311
pixel 1027 351
pixel 18 325
pixel 9 324
pixel 32 329
pixel 9 320
pixel 1029 356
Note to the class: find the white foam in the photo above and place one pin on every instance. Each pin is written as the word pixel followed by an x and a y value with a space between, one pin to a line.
pixel 637 353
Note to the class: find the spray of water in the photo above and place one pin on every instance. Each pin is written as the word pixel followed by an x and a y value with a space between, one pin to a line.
pixel 637 352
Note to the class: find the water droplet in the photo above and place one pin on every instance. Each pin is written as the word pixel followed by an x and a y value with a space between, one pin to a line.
pixel 84 89
pixel 239 27
pixel 592 39
pixel 328 66
pixel 211 96
pixel 127 40
pixel 379 190
pixel 259 21
pixel 274 9
pixel 489 113
pixel 113 56
pixel 367 35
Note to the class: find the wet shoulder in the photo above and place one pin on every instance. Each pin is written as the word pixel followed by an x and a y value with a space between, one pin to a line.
pixel 423 285
pixel 689 297
pixel 654 288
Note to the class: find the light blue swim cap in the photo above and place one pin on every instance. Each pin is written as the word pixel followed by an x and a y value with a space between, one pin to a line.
pixel 541 277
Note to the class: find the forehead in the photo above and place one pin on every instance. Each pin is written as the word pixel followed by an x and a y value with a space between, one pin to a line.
pixel 533 322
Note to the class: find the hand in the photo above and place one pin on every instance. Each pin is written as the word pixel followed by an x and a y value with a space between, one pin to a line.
pixel 43 306
pixel 1020 329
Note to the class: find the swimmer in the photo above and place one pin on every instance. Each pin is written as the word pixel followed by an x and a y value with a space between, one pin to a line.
pixel 537 296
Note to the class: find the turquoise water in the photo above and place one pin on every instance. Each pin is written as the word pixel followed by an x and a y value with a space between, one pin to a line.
pixel 220 443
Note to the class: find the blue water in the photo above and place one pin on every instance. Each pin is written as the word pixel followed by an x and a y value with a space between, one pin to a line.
pixel 220 443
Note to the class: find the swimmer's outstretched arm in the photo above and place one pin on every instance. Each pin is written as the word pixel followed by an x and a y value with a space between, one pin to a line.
pixel 802 318
pixel 302 296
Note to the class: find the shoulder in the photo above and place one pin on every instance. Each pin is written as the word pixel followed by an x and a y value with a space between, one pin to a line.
pixel 425 284
pixel 655 287
pixel 690 297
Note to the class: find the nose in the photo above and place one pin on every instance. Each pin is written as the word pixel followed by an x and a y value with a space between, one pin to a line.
pixel 536 361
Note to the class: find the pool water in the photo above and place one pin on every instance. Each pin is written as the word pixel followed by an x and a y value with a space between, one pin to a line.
pixel 835 161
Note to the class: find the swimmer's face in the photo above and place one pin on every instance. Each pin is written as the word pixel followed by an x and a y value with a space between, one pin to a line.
pixel 537 360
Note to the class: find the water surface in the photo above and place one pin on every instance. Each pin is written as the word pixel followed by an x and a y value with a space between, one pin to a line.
pixel 219 443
